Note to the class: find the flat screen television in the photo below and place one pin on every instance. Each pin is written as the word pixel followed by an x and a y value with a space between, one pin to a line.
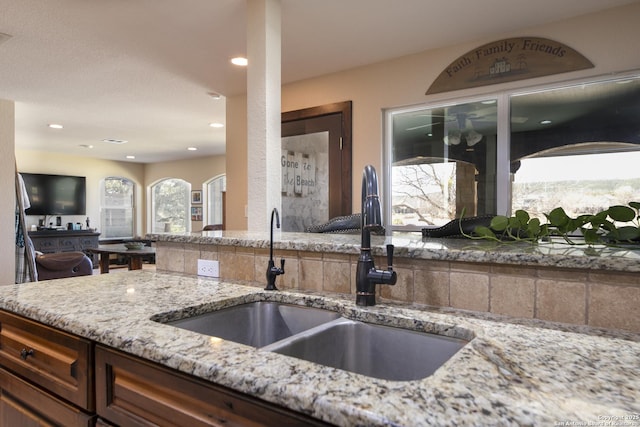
pixel 55 194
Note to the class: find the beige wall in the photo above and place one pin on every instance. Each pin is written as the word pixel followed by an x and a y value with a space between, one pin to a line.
pixel 608 39
pixel 7 192
pixel 94 170
pixel 237 176
pixel 194 171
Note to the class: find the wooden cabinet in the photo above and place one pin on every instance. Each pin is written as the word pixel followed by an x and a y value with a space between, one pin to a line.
pixel 46 375
pixel 51 378
pixel 132 391
pixel 49 241
pixel 23 404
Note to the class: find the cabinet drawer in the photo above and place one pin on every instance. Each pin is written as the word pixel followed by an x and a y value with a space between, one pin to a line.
pixel 22 404
pixel 45 245
pixel 59 362
pixel 134 392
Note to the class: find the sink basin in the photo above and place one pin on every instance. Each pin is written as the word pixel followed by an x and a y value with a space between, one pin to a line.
pixel 373 350
pixel 257 324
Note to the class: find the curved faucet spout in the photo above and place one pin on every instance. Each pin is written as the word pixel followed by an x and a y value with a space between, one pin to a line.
pixel 272 270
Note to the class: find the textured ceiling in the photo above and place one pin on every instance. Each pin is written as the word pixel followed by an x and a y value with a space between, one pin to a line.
pixel 140 70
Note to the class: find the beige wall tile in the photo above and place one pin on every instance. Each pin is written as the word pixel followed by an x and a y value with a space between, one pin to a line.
pixel 469 291
pixel 513 296
pixel 514 270
pixel 310 274
pixel 431 287
pixel 470 267
pixel 208 252
pixel 614 307
pixel 170 258
pixel 613 278
pixel 234 266
pixel 402 290
pixel 563 274
pixel 561 301
pixel 337 277
pixel 191 256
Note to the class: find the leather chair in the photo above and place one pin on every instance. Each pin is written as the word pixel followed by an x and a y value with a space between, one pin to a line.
pixel 63 264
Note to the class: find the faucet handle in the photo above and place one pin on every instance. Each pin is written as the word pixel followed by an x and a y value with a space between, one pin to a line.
pixel 390 256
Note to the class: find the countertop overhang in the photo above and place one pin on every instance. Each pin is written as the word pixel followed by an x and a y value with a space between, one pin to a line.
pixel 509 374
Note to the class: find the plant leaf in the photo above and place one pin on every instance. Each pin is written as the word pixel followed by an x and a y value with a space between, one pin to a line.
pixel 628 233
pixel 621 213
pixel 533 228
pixel 499 223
pixel 523 217
pixel 558 217
pixel 482 231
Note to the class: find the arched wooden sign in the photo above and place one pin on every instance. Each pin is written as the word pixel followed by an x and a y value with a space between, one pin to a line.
pixel 509 60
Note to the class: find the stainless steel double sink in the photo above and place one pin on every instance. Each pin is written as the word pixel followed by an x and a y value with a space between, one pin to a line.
pixel 325 337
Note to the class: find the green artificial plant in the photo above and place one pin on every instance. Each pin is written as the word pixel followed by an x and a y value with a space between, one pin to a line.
pixel 616 225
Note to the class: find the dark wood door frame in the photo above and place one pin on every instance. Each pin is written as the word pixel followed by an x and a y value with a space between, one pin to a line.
pixel 336 119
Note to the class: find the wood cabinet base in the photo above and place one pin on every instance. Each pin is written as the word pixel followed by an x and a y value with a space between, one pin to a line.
pixel 132 391
pixel 22 404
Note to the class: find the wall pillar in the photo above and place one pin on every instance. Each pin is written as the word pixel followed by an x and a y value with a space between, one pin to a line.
pixel 263 112
pixel 7 192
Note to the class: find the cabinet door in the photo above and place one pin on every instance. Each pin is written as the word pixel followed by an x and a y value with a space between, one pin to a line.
pixel 59 362
pixel 134 392
pixel 24 405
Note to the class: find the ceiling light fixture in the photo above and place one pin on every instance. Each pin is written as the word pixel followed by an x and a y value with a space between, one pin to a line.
pixel 214 95
pixel 115 141
pixel 545 122
pixel 240 61
pixel 216 125
pixel 55 126
pixel 192 148
pixel 131 157
pixel 86 146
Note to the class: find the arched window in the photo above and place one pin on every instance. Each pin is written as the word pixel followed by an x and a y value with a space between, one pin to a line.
pixel 215 187
pixel 116 208
pixel 170 199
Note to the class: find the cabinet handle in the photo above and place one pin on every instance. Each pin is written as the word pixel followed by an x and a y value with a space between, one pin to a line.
pixel 24 353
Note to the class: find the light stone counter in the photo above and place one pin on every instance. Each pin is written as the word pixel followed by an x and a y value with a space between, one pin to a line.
pixel 413 246
pixel 509 374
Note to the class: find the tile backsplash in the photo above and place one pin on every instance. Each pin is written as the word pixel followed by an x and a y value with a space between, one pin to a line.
pixel 596 298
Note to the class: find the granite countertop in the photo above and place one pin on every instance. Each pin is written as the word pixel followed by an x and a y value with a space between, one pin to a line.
pixel 413 245
pixel 508 374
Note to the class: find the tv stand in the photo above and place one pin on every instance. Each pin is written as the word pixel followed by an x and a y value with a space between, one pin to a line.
pixel 50 241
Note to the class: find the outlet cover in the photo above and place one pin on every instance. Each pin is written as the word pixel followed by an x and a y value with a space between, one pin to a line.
pixel 208 268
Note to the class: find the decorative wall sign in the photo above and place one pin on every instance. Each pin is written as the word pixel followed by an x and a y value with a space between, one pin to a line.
pixel 298 173
pixel 509 60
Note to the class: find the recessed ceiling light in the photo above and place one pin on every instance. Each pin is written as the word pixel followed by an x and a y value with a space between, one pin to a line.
pixel 115 141
pixel 86 146
pixel 545 122
pixel 216 125
pixel 131 157
pixel 214 95
pixel 239 61
pixel 55 126
pixel 192 148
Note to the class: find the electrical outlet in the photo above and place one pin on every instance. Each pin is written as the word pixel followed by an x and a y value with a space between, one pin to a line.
pixel 208 268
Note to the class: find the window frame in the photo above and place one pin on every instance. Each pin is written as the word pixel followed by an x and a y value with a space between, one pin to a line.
pixel 503 139
pixel 103 207
pixel 152 203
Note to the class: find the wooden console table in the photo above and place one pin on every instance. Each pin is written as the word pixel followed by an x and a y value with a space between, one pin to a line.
pixel 134 256
pixel 50 241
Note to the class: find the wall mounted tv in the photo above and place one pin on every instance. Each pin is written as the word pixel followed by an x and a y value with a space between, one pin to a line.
pixel 55 194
